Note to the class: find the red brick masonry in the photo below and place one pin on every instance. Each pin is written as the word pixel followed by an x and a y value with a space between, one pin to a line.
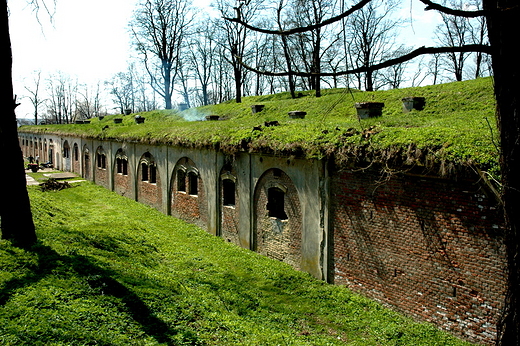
pixel 429 247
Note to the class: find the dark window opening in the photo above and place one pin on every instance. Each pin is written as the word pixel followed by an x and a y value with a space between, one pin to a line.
pixel 119 165
pixel 144 171
pixel 122 166
pixel 101 161
pixel 181 180
pixel 193 181
pixel 228 192
pixel 275 203
pixel 124 163
pixel 76 156
pixel 153 174
pixel 277 173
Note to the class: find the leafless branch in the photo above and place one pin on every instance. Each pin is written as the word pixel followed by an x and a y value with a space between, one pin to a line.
pixel 415 53
pixel 430 5
pixel 331 20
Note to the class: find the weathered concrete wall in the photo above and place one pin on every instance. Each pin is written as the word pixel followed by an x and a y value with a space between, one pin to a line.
pixel 428 247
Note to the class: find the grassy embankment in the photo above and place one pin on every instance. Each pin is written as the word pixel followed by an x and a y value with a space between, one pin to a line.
pixel 457 127
pixel 109 271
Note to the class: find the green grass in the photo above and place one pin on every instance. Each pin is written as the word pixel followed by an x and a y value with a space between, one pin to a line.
pixel 457 127
pixel 110 271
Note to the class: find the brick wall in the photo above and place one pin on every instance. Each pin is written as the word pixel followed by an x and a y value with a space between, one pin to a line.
pixel 149 193
pixel 428 247
pixel 102 176
pixel 278 237
pixel 101 166
pixel 123 184
pixel 75 157
pixel 230 212
pixel 188 207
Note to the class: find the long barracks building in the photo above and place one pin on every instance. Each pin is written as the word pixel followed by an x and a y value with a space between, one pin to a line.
pixel 427 246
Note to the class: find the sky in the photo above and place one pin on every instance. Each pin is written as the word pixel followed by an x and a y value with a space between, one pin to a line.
pixel 89 39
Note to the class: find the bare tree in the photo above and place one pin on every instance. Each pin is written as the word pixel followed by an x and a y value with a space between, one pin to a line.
pixel 419 75
pixel 286 50
pixel 434 68
pixel 394 76
pixel 160 28
pixel 16 222
pixel 140 97
pixel 35 96
pixel 122 88
pixel 62 98
pixel 89 105
pixel 311 42
pixel 201 54
pixel 454 32
pixel 222 77
pixel 372 32
pixel 479 35
pixel 185 77
pixel 235 40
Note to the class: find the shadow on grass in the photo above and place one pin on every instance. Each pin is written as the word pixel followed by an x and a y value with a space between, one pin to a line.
pixel 49 261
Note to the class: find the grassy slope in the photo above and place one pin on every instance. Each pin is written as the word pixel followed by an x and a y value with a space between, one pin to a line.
pixel 457 126
pixel 100 277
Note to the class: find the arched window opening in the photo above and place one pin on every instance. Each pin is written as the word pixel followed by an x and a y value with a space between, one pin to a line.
pixel 228 192
pixel 193 181
pixel 181 180
pixel 276 203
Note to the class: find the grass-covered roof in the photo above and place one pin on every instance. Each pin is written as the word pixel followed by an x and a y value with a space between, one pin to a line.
pixel 457 128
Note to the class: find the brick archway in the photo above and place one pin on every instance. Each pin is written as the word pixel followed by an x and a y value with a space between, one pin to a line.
pixel 277 231
pixel 188 197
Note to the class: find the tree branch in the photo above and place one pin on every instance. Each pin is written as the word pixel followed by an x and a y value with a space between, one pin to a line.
pixel 430 5
pixel 331 20
pixel 401 59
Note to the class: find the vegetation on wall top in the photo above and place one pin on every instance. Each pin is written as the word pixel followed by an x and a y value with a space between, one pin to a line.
pixel 457 127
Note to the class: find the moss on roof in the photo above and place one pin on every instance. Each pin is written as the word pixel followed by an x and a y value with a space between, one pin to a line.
pixel 457 127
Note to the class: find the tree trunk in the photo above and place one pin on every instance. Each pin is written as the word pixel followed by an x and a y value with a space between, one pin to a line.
pixel 287 56
pixel 369 82
pixel 238 83
pixel 166 66
pixel 503 27
pixel 15 209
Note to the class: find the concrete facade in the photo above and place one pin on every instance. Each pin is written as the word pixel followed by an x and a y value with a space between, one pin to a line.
pixel 431 248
